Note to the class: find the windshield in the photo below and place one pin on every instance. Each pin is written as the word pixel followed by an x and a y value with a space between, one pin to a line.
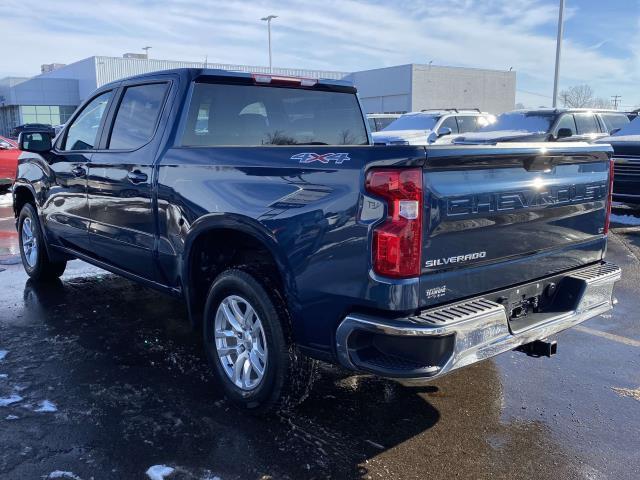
pixel 632 128
pixel 521 122
pixel 413 122
pixel 247 115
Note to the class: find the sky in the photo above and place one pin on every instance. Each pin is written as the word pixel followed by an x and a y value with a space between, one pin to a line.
pixel 601 41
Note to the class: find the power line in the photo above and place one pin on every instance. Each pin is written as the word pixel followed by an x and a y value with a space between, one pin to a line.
pixel 533 93
pixel 615 99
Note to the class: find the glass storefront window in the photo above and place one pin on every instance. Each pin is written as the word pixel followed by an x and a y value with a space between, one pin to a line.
pixel 46 114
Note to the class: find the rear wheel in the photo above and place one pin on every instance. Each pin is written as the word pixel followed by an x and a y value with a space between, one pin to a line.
pixel 245 337
pixel 33 249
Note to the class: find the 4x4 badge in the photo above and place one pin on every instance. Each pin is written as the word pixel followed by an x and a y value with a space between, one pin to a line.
pixel 337 158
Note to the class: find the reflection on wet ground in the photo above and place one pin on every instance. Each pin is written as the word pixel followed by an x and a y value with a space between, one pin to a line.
pixel 103 378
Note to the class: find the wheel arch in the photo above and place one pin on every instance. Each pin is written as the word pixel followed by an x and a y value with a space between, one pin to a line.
pixel 239 233
pixel 23 193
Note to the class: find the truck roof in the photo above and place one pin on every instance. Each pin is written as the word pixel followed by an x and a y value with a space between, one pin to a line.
pixel 195 73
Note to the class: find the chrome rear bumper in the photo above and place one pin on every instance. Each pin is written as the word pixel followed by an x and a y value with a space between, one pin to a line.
pixel 467 332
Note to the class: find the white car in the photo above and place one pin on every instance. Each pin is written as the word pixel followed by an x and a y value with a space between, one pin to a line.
pixel 431 126
pixel 380 121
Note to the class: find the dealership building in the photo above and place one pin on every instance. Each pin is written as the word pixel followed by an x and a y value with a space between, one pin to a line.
pixel 52 96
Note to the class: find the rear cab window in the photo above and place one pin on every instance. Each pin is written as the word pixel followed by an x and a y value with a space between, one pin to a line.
pixel 253 115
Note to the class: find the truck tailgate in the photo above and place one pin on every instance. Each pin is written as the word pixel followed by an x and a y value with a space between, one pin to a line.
pixel 499 215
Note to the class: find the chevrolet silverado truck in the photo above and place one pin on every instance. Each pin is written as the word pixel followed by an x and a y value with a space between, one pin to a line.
pixel 263 203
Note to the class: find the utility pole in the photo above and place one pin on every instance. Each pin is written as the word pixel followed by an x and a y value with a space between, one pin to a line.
pixel 146 51
pixel 615 99
pixel 565 96
pixel 268 20
pixel 558 49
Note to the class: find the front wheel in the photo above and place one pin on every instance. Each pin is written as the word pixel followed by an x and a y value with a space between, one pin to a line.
pixel 33 249
pixel 245 337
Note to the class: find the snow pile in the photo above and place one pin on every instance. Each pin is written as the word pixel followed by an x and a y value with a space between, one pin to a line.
pixel 3 353
pixel 9 400
pixel 11 417
pixel 46 406
pixel 625 219
pixel 159 472
pixel 61 474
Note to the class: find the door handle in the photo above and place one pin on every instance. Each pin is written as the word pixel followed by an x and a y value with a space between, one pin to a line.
pixel 78 172
pixel 137 176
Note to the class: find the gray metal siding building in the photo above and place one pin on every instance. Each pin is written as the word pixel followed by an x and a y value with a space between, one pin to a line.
pixel 413 87
pixel 52 96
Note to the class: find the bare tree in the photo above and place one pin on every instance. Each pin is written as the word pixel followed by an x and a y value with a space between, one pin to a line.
pixel 579 96
pixel 601 103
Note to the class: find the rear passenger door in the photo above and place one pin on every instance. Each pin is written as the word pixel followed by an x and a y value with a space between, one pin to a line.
pixel 120 181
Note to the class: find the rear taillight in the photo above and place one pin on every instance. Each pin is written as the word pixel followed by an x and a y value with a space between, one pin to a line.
pixel 397 242
pixel 607 218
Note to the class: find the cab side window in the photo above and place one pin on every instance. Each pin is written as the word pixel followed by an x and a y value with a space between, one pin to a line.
pixel 566 121
pixel 83 132
pixel 467 124
pixel 586 123
pixel 137 116
pixel 450 123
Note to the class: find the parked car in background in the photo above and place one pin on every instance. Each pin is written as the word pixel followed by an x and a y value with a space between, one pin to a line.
pixel 427 126
pixel 380 121
pixel 626 158
pixel 548 125
pixel 32 127
pixel 9 154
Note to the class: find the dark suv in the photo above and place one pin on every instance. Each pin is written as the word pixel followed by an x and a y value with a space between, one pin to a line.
pixel 626 158
pixel 548 125
pixel 32 127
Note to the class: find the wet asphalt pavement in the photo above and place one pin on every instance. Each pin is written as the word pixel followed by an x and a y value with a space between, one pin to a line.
pixel 102 379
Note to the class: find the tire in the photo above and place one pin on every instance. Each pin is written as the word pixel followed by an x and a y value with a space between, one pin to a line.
pixel 287 374
pixel 33 251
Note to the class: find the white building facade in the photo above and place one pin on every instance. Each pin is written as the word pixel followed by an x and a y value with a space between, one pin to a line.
pixel 51 97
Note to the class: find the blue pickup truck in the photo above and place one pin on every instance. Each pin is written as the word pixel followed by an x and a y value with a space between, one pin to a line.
pixel 263 203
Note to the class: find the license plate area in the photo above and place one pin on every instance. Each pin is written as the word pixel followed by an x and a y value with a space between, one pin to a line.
pixel 539 302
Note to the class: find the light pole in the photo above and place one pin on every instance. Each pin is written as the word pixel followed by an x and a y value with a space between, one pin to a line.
pixel 558 49
pixel 146 51
pixel 268 20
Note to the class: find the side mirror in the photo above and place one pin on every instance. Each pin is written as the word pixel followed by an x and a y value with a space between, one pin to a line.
pixel 564 133
pixel 35 141
pixel 442 131
pixel 614 131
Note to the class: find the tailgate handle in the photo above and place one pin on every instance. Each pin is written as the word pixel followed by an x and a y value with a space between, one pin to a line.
pixel 540 163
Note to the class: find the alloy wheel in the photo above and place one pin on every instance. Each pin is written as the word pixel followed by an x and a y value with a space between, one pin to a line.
pixel 240 342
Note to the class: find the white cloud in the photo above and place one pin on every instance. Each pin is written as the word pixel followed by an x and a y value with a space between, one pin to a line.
pixel 338 35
